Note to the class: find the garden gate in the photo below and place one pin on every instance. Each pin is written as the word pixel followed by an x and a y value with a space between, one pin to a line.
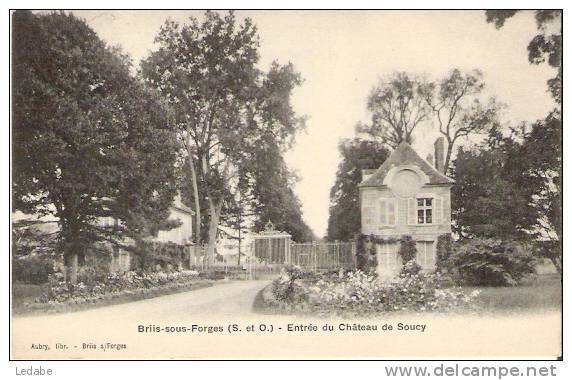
pixel 271 250
pixel 274 249
pixel 271 246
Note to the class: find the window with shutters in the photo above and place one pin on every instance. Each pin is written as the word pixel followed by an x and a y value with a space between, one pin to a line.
pixel 424 210
pixel 387 212
pixel 368 209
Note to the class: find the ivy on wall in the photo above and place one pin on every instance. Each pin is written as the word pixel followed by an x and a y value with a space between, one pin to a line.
pixel 366 254
pixel 367 258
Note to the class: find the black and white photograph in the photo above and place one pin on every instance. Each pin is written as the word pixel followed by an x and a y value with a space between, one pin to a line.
pixel 286 184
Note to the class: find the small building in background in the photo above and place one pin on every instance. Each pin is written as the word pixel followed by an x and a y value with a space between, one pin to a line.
pixel 120 259
pixel 182 234
pixel 406 195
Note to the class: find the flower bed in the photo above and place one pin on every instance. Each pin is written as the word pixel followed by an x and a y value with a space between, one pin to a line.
pixel 111 289
pixel 359 293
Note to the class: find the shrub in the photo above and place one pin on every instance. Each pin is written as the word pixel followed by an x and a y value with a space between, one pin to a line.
pixel 32 269
pixel 410 268
pixel 147 255
pixel 90 276
pixel 285 288
pixel 142 257
pixel 443 250
pixel 30 240
pixel 361 259
pixel 407 249
pixel 490 262
pixel 366 258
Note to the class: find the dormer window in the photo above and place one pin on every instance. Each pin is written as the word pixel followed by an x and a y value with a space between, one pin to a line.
pixel 424 210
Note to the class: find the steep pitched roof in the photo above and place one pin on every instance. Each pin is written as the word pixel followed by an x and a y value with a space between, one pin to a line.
pixel 179 205
pixel 184 209
pixel 405 155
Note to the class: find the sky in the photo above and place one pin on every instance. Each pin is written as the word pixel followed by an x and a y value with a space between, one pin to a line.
pixel 342 54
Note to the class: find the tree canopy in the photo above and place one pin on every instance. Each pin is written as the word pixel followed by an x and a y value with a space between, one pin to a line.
pixel 545 46
pixel 224 106
pixel 397 108
pixel 344 221
pixel 89 140
pixel 271 196
pixel 542 147
pixel 402 103
pixel 493 195
pixel 457 107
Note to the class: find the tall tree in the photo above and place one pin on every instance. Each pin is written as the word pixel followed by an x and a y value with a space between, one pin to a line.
pixel 493 194
pixel 546 46
pixel 542 155
pixel 271 196
pixel 223 105
pixel 543 145
pixel 397 108
pixel 357 154
pixel 458 109
pixel 88 138
pixel 237 218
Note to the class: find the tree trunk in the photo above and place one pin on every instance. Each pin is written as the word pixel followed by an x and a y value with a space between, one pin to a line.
pixel 71 249
pixel 239 227
pixel 81 259
pixel 196 196
pixel 215 210
pixel 72 268
pixel 239 243
pixel 558 264
pixel 70 263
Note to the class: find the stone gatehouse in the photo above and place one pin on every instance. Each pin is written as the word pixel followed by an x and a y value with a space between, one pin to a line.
pixel 406 195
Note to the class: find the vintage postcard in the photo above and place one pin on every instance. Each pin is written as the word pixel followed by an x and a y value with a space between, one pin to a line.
pixel 382 184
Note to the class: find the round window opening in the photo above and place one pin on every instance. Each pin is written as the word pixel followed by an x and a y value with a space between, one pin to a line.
pixel 406 183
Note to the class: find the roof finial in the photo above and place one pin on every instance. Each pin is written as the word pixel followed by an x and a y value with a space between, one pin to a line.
pixel 269 226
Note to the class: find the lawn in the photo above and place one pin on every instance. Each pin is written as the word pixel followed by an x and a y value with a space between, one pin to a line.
pixel 544 292
pixel 25 293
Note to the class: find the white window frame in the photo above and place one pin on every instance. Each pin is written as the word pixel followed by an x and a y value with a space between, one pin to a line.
pixel 438 210
pixel 424 208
